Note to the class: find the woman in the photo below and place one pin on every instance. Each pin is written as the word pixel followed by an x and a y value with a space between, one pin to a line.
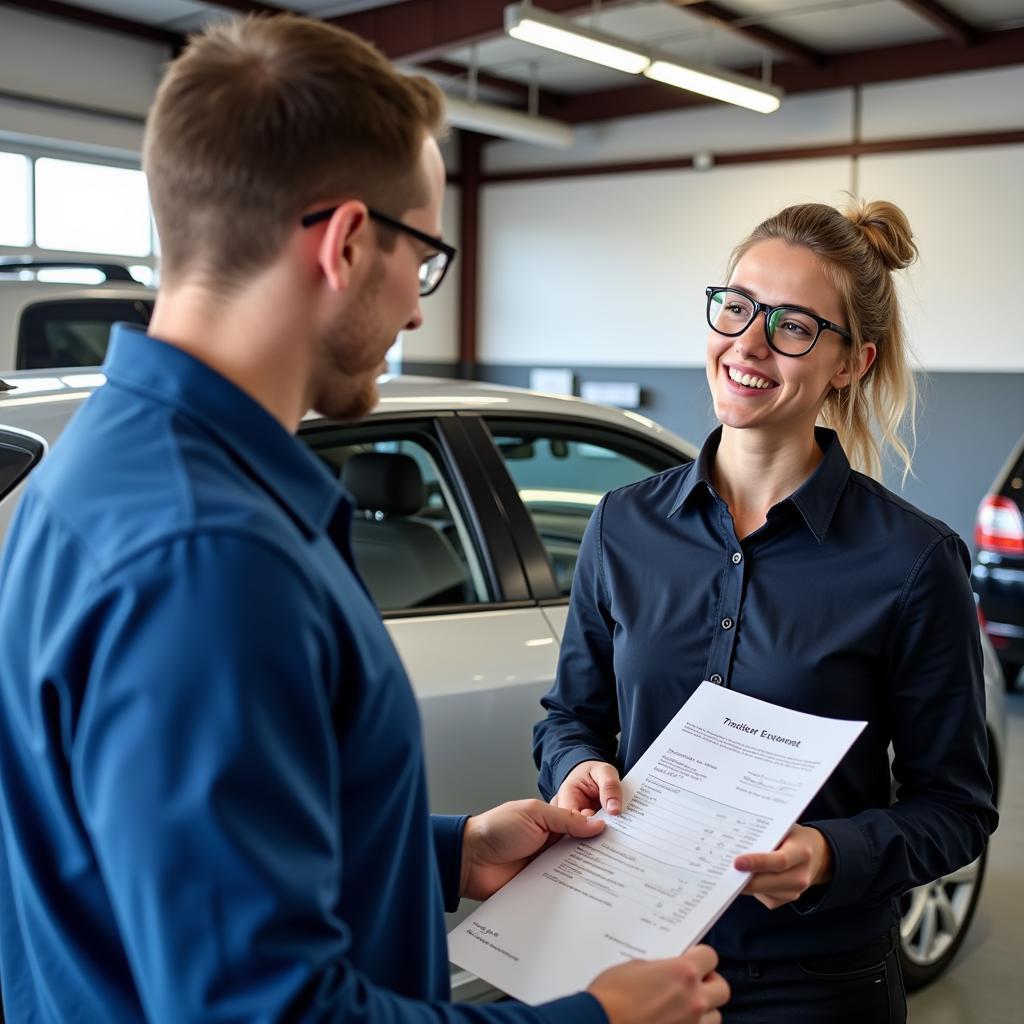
pixel 769 566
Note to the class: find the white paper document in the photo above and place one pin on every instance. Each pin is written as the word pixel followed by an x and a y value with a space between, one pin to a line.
pixel 728 775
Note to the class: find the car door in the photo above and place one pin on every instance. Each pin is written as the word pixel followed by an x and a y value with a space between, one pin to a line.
pixel 435 552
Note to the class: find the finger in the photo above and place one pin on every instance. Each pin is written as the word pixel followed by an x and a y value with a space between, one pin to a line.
pixel 571 799
pixel 716 988
pixel 764 863
pixel 609 787
pixel 562 820
pixel 703 959
pixel 772 902
pixel 783 883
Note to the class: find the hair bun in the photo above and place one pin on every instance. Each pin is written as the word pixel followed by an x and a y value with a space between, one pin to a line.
pixel 887 230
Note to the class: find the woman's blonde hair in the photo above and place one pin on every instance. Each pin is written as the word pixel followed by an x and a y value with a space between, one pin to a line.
pixel 859 248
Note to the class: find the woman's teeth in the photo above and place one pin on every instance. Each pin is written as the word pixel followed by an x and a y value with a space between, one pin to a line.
pixel 748 380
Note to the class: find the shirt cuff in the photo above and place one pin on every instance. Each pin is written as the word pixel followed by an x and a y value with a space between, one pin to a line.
pixel 581 1008
pixel 853 867
pixel 448 829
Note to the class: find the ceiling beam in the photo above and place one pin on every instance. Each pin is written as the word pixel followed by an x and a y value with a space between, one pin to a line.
pixel 248 7
pixel 97 19
pixel 948 23
pixel 740 26
pixel 520 90
pixel 888 64
pixel 418 30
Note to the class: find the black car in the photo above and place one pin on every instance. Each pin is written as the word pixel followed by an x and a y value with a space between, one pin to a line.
pixel 998 574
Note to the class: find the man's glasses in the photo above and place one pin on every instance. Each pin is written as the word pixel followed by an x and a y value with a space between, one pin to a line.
pixel 433 265
pixel 790 330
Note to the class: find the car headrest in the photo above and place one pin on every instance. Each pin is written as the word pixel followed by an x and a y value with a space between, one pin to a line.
pixel 385 482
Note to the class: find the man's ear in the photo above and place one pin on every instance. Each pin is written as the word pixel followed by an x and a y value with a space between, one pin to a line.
pixel 854 369
pixel 344 244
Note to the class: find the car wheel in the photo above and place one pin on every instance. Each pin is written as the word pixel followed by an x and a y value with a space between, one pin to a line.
pixel 936 922
pixel 1011 670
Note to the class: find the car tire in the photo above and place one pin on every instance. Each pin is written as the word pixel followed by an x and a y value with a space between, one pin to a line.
pixel 936 923
pixel 1011 672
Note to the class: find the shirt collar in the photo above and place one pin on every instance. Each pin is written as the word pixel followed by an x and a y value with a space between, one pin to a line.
pixel 700 472
pixel 282 464
pixel 815 499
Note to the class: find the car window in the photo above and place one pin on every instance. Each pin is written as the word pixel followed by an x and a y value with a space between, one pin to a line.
pixel 409 538
pixel 73 333
pixel 561 472
pixel 18 454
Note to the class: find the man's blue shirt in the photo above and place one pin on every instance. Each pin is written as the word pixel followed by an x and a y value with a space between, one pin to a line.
pixel 212 790
pixel 847 603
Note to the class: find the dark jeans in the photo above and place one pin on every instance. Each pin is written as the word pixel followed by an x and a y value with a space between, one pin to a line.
pixel 863 986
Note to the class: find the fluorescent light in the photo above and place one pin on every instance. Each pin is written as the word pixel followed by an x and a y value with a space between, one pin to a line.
pixel 491 119
pixel 532 25
pixel 718 84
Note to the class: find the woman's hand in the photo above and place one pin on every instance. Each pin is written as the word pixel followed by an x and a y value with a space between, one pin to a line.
pixel 589 787
pixel 801 860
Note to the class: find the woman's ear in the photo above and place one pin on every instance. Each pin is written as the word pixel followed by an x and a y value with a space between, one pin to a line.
pixel 344 244
pixel 856 367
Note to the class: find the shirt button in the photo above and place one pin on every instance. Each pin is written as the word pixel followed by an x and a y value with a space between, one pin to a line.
pixel 726 623
pixel 737 558
pixel 716 679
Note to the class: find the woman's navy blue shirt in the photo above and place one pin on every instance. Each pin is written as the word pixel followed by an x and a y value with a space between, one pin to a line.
pixel 849 603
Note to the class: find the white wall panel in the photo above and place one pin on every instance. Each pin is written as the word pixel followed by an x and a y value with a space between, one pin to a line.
pixel 977 101
pixel 51 58
pixel 438 339
pixel 962 298
pixel 812 120
pixel 612 270
pixel 30 124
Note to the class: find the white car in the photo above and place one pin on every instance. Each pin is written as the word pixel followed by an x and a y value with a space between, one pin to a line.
pixel 474 500
pixel 59 313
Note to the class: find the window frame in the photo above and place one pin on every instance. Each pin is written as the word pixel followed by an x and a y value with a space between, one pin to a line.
pixel 38 308
pixel 444 438
pixel 22 441
pixel 537 565
pixel 77 155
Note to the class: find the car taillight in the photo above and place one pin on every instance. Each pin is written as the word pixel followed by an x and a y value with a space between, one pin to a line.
pixel 999 526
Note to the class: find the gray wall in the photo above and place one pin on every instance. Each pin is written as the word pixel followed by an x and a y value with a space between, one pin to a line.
pixel 967 424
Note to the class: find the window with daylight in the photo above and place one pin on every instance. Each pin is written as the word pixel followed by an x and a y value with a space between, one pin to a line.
pixel 16 208
pixel 85 207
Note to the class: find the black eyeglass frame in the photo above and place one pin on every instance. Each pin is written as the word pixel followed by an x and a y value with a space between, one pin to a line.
pixel 761 307
pixel 441 246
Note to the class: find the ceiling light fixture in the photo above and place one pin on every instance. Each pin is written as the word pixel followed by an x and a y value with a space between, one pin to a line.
pixel 490 119
pixel 525 22
pixel 718 84
pixel 532 25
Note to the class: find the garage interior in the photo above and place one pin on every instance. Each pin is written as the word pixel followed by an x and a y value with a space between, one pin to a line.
pixel 591 208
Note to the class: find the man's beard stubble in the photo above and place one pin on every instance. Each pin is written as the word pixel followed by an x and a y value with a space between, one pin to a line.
pixel 352 356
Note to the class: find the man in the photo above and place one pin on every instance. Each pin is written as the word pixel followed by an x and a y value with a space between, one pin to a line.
pixel 211 776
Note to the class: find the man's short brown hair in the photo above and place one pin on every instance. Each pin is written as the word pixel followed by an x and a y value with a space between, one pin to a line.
pixel 261 117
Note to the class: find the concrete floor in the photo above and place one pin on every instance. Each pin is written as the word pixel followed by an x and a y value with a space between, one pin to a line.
pixel 985 983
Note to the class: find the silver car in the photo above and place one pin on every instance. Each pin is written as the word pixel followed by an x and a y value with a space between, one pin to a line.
pixel 58 313
pixel 473 501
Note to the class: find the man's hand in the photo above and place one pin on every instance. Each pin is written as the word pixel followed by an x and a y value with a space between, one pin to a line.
pixel 499 843
pixel 682 990
pixel 590 786
pixel 801 860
